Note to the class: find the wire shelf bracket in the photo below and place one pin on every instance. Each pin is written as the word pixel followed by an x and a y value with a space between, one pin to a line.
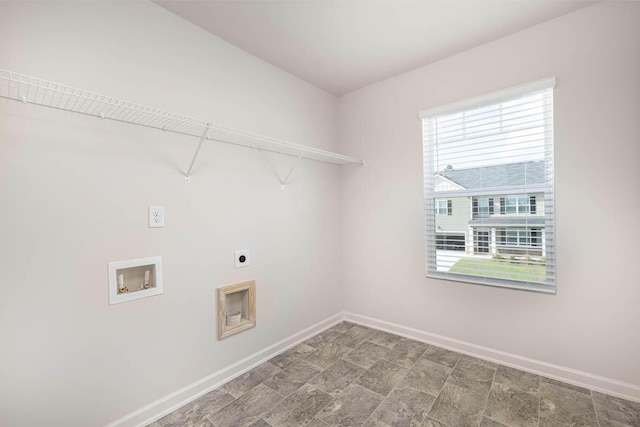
pixel 195 155
pixel 283 183
pixel 33 90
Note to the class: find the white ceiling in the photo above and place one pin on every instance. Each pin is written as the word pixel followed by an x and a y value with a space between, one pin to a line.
pixel 341 46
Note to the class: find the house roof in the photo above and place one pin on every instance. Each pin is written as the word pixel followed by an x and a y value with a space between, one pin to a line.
pixel 508 221
pixel 507 175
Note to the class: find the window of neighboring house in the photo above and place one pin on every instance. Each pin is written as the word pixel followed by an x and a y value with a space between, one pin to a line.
pixel 518 237
pixel 517 204
pixel 444 207
pixel 497 153
pixel 521 237
pixel 450 242
pixel 482 206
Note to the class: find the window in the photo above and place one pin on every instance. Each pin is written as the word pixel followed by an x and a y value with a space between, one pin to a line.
pixel 518 237
pixel 482 206
pixel 493 156
pixel 481 241
pixel 444 207
pixel 521 237
pixel 516 204
pixel 450 242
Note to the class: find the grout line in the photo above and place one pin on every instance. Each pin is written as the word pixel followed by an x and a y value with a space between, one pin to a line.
pixel 381 402
pixel 373 412
pixel 486 402
pixel 539 397
pixel 360 376
pixel 384 398
pixel 595 410
pixel 399 382
pixel 208 419
pixel 445 381
pixel 319 420
pixel 308 381
pixel 450 373
pixel 322 369
pixel 322 408
pixel 539 406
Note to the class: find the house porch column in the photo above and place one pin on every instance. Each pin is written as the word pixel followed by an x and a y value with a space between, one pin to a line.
pixel 492 241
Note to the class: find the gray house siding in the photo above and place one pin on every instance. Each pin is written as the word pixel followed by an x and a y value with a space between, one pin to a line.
pixel 458 221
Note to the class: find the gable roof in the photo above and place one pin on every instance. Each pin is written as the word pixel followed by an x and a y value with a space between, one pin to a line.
pixel 507 175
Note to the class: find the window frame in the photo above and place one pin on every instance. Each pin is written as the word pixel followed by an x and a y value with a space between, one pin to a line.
pixel 448 207
pixel 522 237
pixel 523 207
pixel 535 242
pixel 519 208
pixel 483 210
pixel 438 208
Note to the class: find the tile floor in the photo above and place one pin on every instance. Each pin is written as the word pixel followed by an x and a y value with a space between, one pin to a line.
pixel 350 375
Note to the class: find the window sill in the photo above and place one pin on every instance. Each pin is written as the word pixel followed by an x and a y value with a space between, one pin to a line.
pixel 509 284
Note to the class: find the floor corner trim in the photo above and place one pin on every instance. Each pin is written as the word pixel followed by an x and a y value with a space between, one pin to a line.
pixel 167 404
pixel 588 380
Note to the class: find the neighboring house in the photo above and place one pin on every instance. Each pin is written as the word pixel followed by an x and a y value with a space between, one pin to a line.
pixel 492 215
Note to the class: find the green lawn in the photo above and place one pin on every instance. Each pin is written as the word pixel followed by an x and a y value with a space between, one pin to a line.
pixel 500 269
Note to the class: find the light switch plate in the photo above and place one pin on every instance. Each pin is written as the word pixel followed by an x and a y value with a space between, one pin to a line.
pixel 242 258
pixel 156 216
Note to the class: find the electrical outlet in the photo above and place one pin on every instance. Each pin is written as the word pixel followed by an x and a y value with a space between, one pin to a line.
pixel 156 216
pixel 242 258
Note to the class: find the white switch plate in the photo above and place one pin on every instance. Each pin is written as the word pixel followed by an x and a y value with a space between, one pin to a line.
pixel 240 261
pixel 156 216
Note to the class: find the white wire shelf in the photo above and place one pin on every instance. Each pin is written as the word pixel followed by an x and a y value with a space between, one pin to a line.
pixel 37 91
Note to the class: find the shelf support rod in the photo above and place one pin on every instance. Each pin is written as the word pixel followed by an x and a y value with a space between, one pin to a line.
pixel 284 182
pixel 195 156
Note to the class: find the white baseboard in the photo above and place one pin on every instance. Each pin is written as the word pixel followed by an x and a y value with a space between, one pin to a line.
pixel 175 400
pixel 573 376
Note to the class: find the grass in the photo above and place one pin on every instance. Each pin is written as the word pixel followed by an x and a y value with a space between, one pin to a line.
pixel 500 269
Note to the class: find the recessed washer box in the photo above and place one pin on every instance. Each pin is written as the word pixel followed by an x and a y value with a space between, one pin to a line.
pixel 134 279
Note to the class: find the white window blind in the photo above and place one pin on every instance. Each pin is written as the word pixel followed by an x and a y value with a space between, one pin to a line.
pixel 492 158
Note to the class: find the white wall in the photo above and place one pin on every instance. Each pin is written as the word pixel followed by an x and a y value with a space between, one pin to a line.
pixel 74 193
pixel 592 322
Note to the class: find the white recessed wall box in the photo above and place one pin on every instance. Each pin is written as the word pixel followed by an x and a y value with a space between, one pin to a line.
pixel 236 308
pixel 134 279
